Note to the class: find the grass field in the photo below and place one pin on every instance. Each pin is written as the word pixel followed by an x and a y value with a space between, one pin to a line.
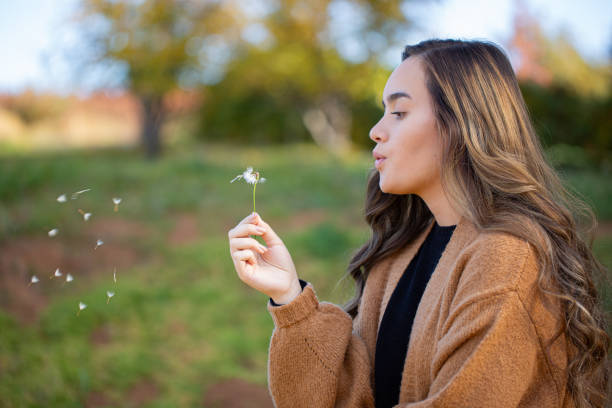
pixel 182 329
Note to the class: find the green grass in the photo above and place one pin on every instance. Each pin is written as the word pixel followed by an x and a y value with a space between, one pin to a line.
pixel 181 318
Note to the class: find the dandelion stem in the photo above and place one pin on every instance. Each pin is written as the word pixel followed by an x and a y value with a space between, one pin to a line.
pixel 254 187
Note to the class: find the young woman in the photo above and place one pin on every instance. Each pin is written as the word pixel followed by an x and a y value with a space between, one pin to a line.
pixel 476 288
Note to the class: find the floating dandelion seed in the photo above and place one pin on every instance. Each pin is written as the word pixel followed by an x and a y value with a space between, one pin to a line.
pixel 86 216
pixel 69 278
pixel 251 178
pixel 98 243
pixel 81 307
pixel 53 232
pixel 116 201
pixel 33 279
pixel 62 198
pixel 109 295
pixel 56 274
pixel 76 195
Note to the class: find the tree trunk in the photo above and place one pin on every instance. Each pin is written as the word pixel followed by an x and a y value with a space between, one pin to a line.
pixel 152 119
pixel 329 124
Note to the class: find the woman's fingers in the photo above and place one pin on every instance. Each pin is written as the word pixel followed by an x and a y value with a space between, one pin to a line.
pixel 246 243
pixel 268 233
pixel 244 255
pixel 244 230
pixel 244 262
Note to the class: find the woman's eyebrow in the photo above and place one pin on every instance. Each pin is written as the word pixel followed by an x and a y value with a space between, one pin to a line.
pixel 394 96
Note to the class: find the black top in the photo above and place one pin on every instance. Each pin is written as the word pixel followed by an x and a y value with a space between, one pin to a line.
pixel 396 324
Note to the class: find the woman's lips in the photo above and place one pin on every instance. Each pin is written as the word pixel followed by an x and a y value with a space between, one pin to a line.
pixel 378 162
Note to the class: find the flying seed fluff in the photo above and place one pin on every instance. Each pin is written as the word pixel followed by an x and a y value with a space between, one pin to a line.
pixel 494 171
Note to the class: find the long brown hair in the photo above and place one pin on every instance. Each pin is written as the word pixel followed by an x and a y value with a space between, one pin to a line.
pixel 494 170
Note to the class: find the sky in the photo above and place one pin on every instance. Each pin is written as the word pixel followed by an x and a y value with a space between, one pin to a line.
pixel 30 31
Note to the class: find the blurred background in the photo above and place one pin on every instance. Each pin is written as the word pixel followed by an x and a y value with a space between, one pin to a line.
pixel 161 104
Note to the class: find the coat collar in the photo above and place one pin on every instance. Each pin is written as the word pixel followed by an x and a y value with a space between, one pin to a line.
pixel 384 276
pixel 462 234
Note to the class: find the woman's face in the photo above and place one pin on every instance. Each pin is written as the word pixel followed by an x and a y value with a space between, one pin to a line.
pixel 406 134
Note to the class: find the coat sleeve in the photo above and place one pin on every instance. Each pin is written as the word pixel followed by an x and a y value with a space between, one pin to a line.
pixel 315 359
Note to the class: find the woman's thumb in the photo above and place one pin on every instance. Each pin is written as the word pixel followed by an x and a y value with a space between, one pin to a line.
pixel 269 235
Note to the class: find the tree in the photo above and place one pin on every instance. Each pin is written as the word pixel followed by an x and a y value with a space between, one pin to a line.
pixel 569 98
pixel 299 68
pixel 555 60
pixel 158 45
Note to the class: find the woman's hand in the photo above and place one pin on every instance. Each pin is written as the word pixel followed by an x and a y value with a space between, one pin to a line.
pixel 269 270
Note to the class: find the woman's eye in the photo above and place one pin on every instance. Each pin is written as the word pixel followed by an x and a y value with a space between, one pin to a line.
pixel 399 114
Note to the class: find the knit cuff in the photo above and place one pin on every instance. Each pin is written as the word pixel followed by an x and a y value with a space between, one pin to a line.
pixel 299 308
pixel 303 283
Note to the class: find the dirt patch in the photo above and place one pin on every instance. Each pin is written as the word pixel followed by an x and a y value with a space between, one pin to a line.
pixel 307 218
pixel 101 335
pixel 22 257
pixel 42 256
pixel 96 399
pixel 118 228
pixel 185 230
pixel 237 393
pixel 177 328
pixel 300 220
pixel 142 393
pixel 20 301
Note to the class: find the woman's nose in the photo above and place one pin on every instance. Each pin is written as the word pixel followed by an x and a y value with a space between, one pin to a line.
pixel 376 133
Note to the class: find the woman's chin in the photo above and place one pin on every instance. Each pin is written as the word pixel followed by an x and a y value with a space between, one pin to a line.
pixel 382 187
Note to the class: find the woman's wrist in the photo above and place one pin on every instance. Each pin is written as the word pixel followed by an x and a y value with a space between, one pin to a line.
pixel 285 298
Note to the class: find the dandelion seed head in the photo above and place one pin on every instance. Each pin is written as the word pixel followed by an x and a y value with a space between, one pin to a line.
pixel 57 273
pixel 99 242
pixel 34 279
pixel 62 198
pixel 53 232
pixel 251 179
pixel 249 176
pixel 86 216
pixel 69 278
pixel 116 200
pixel 110 294
pixel 82 305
